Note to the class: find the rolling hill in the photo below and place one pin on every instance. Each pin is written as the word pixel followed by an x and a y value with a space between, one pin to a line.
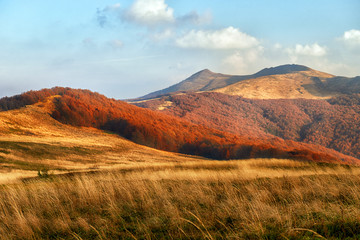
pixel 333 123
pixel 82 108
pixel 299 84
pixel 282 82
pixel 32 141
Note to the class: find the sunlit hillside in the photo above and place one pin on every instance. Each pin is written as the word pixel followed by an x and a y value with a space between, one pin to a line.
pixel 304 84
pixel 32 141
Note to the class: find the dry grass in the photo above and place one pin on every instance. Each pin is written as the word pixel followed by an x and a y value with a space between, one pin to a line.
pixel 189 200
pixel 134 192
pixel 288 86
pixel 30 140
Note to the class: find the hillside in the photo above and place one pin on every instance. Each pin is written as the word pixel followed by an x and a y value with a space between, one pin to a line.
pixel 343 85
pixel 158 130
pixel 282 82
pixel 32 141
pixel 333 124
pixel 200 81
pixel 300 84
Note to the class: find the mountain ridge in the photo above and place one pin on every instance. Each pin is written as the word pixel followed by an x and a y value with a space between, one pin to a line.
pixel 282 69
pixel 195 82
pixel 285 81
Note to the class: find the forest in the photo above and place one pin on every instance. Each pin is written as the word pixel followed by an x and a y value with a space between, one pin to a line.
pixel 163 131
pixel 333 123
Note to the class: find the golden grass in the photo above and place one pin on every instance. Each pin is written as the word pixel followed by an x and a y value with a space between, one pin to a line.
pixel 30 140
pixel 209 200
pixel 165 105
pixel 289 86
pixel 125 191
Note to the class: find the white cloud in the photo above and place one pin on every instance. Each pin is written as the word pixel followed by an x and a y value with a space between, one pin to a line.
pixel 226 38
pixel 240 61
pixel 150 12
pixel 352 37
pixel 277 46
pixel 310 50
pixel 314 50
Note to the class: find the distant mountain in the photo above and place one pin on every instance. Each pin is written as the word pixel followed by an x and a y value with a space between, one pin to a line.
pixel 84 108
pixel 200 81
pixel 283 69
pixel 283 82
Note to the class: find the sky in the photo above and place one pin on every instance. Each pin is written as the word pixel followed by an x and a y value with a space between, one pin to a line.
pixel 128 48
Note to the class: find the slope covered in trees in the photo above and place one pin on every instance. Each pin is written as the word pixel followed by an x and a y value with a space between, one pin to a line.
pixel 334 123
pixel 28 98
pixel 166 132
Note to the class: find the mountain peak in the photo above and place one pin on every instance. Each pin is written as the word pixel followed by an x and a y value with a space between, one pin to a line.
pixel 204 72
pixel 283 69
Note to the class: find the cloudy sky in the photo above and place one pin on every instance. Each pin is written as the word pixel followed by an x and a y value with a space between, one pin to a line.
pixel 127 48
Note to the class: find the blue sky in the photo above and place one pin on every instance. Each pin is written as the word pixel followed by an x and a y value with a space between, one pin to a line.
pixel 127 48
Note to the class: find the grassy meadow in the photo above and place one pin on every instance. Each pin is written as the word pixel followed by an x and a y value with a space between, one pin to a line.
pixel 63 182
pixel 249 199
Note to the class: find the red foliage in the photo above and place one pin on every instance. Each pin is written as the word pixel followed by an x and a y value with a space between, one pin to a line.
pixel 171 133
pixel 334 124
pixel 28 98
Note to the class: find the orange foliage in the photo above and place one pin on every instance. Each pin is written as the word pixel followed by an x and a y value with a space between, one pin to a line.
pixel 171 133
pixel 333 124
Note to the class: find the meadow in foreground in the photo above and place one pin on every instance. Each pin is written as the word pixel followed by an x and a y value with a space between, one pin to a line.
pixel 254 199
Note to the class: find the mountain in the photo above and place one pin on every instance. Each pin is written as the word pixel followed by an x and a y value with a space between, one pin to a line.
pixel 283 82
pixel 83 108
pixel 200 81
pixel 307 84
pixel 283 69
pixel 333 123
